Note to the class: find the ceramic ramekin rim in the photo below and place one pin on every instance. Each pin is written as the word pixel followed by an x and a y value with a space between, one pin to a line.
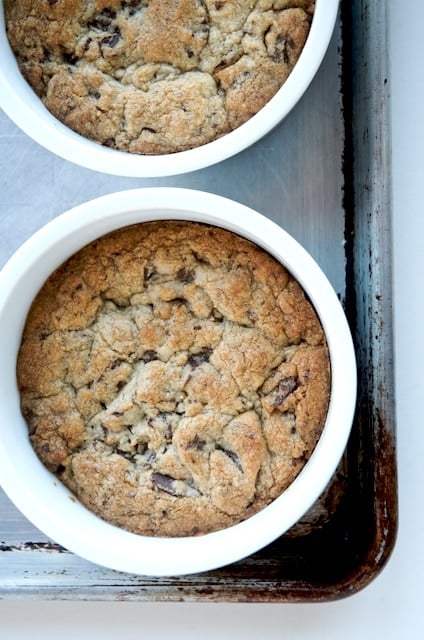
pixel 88 536
pixel 21 104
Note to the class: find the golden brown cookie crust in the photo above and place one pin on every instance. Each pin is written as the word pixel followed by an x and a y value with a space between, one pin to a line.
pixel 156 76
pixel 174 376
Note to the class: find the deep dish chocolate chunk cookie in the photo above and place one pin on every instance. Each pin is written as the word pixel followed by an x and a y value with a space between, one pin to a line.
pixel 156 76
pixel 174 376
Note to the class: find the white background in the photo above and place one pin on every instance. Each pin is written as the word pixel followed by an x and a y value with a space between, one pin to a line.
pixel 392 606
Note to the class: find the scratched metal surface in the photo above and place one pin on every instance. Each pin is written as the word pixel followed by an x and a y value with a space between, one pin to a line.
pixel 324 175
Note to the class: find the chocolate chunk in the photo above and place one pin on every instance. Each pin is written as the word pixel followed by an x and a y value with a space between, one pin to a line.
pixel 103 21
pixel 241 78
pixel 178 301
pixel 197 443
pixel 197 359
pixel 112 40
pixel 163 423
pixel 217 315
pixel 115 363
pixel 185 275
pixel 284 389
pixel 164 483
pixel 87 44
pixel 70 58
pixel 128 455
pixel 149 356
pixel 149 273
pixel 148 455
pixel 232 455
pixel 176 488
pixel 130 3
pixel 280 54
pixel 141 448
pixel 166 417
pixel 200 259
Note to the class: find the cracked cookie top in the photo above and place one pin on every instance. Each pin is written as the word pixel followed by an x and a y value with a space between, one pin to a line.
pixel 174 376
pixel 156 76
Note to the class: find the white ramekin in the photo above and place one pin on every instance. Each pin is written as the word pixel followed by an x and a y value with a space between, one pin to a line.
pixel 46 502
pixel 21 104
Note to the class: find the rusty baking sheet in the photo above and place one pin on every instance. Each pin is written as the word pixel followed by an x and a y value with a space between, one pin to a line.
pixel 324 175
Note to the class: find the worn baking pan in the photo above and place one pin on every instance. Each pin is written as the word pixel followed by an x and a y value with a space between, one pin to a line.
pixel 324 175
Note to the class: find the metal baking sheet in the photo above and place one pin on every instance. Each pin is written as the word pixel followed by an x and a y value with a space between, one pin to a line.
pixel 324 175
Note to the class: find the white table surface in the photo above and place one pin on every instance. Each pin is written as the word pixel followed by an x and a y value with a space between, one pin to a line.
pixel 393 605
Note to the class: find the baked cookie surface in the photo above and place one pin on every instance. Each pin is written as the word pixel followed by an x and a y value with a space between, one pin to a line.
pixel 156 76
pixel 174 376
